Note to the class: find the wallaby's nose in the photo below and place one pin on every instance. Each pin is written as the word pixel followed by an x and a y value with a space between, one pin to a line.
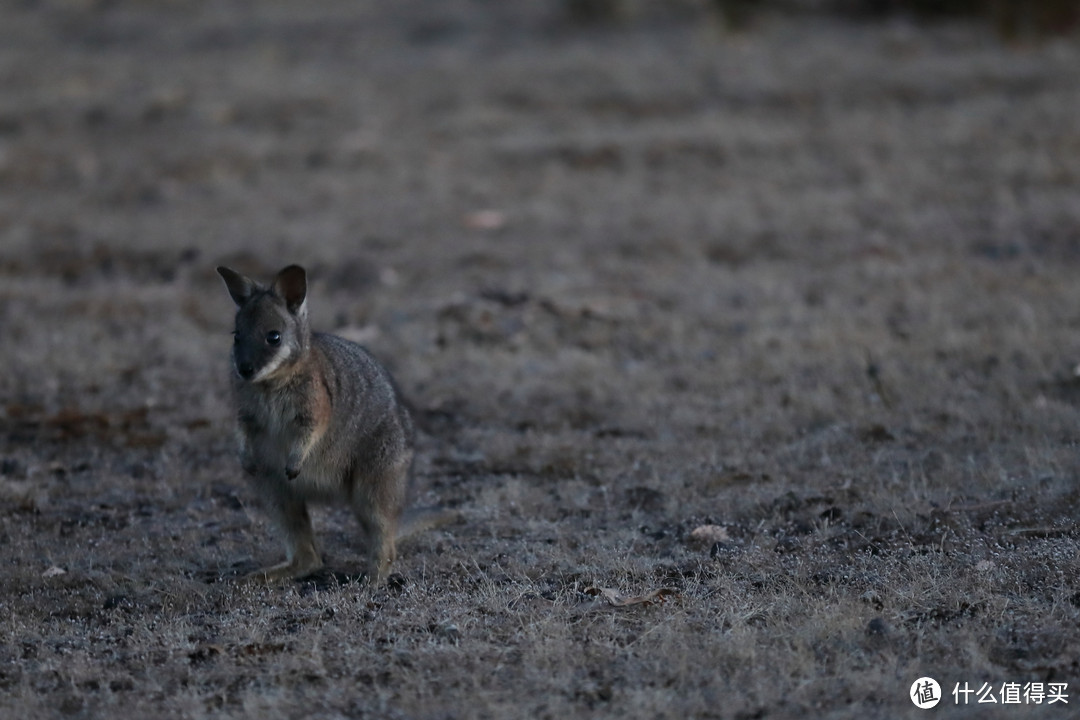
pixel 246 370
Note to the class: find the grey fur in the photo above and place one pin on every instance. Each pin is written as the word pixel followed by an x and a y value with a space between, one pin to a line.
pixel 320 421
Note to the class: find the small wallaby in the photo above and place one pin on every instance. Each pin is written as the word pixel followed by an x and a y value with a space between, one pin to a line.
pixel 320 420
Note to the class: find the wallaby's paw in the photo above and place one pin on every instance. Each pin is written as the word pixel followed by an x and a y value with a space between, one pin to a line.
pixel 293 463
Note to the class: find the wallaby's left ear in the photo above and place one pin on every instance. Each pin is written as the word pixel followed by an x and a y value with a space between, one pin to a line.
pixel 291 286
pixel 241 288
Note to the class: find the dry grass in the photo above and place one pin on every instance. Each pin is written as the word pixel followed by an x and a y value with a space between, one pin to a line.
pixel 813 284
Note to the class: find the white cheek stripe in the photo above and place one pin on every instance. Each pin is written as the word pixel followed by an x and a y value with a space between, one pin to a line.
pixel 271 367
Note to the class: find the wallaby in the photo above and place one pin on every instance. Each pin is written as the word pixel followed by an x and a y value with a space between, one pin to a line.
pixel 320 420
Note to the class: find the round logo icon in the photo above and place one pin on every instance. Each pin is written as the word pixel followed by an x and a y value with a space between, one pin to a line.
pixel 925 693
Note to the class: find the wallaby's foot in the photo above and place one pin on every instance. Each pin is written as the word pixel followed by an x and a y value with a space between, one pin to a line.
pixel 380 559
pixel 376 576
pixel 283 571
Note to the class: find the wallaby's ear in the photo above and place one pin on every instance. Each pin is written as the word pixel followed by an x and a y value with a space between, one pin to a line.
pixel 291 286
pixel 241 288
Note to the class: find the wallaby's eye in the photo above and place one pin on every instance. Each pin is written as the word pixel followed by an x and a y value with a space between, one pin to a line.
pixel 273 337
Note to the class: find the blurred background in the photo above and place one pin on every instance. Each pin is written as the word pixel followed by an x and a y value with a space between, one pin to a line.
pixel 798 273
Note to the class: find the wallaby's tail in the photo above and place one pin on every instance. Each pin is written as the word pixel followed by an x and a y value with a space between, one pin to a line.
pixel 421 519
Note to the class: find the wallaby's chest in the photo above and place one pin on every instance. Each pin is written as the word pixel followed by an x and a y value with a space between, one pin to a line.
pixel 274 416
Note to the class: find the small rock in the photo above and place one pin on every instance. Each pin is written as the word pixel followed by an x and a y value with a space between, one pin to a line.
pixel 787 543
pixel 714 537
pixel 117 601
pixel 486 220
pixel 873 598
pixel 877 627
pixel 11 467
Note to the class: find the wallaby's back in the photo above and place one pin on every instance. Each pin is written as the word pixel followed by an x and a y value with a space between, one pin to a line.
pixel 370 428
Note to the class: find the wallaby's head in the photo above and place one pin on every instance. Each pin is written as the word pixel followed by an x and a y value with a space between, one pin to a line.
pixel 272 330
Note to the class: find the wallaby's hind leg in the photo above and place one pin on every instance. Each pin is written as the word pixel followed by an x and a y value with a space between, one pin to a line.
pixel 378 502
pixel 290 514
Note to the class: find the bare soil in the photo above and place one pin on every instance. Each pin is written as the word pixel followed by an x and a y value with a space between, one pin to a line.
pixel 772 330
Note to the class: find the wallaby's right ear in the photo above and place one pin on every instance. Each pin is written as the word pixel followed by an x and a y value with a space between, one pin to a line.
pixel 291 285
pixel 241 288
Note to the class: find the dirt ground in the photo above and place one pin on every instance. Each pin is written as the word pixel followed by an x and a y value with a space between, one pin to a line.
pixel 772 330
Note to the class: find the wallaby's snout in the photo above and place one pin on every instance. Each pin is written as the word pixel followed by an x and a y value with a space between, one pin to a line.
pixel 241 355
pixel 254 356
